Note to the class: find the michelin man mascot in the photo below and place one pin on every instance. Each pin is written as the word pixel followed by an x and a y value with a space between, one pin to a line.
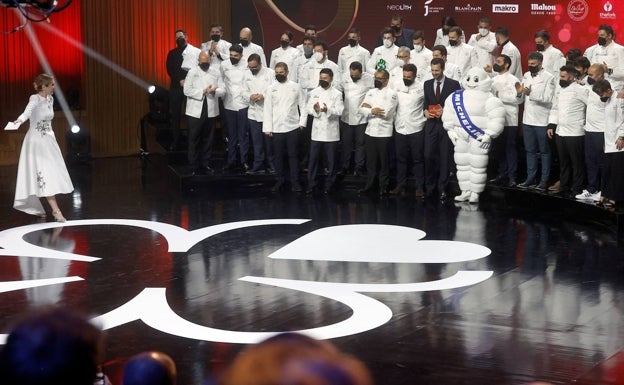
pixel 473 116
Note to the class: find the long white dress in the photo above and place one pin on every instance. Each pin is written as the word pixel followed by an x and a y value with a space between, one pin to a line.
pixel 41 171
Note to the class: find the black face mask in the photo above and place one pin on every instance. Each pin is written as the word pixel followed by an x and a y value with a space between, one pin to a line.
pixel 244 42
pixel 324 84
pixel 254 71
pixel 204 66
pixel 308 52
pixel 408 82
pixel 605 99
pixel 540 47
pixel 280 78
pixel 215 38
pixel 181 42
pixel 564 83
pixel 284 43
pixel 355 78
pixel 352 42
pixel 396 28
pixel 590 81
pixel 378 84
pixel 497 68
pixel 453 43
pixel 602 41
pixel 533 70
pixel 234 61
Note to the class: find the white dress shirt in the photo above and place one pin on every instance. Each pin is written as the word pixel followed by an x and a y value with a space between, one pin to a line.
pixel 195 83
pixel 463 56
pixel 223 46
pixel 613 55
pixel 254 48
pixel 288 56
pixel 257 84
pixel 354 96
pixel 409 117
pixel 484 48
pixel 504 87
pixel 348 55
pixel 568 110
pixel 282 104
pixel 422 61
pixel 233 79
pixel 387 54
pixel 190 57
pixel 386 99
pixel 512 51
pixel 553 60
pixel 326 124
pixel 537 105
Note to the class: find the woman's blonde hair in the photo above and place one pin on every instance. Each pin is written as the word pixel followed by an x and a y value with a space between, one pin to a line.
pixel 42 80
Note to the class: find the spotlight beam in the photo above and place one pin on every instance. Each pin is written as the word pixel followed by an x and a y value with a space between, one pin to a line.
pixel 96 55
pixel 34 41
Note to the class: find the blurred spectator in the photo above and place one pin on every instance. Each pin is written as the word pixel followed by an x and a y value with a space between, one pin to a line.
pixel 150 368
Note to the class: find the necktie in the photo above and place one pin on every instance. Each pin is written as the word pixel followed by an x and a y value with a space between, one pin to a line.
pixel 438 89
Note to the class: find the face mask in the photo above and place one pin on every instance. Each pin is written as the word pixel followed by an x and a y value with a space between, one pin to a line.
pixel 234 60
pixel 605 99
pixel 590 81
pixel 453 43
pixel 534 70
pixel 355 78
pixel 244 42
pixel 540 47
pixel 483 31
pixel 387 43
pixel 408 82
pixel 284 43
pixel 254 71
pixel 445 31
pixel 324 84
pixel 280 78
pixel 204 66
pixel 215 37
pixel 418 48
pixel 396 28
pixel 497 68
pixel 378 84
pixel 564 83
pixel 317 56
pixel 181 42
pixel 400 62
pixel 602 41
pixel 308 51
pixel 352 42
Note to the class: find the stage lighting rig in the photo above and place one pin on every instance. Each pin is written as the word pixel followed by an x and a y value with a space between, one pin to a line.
pixel 36 10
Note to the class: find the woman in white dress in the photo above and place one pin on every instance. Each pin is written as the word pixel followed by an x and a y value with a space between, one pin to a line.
pixel 41 172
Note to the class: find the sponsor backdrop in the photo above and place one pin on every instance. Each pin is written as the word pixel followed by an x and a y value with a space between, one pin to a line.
pixel 571 23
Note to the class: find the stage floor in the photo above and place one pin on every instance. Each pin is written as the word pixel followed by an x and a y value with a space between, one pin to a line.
pixel 423 292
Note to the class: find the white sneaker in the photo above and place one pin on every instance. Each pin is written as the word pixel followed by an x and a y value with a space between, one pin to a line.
pixel 463 197
pixel 596 196
pixel 584 196
pixel 474 197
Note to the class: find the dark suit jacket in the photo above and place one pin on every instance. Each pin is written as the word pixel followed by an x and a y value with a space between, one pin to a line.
pixel 448 88
pixel 405 39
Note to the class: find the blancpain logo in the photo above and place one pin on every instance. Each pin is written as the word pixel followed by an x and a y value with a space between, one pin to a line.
pixel 543 9
pixel 468 8
pixel 399 7
pixel 505 8
pixel 607 14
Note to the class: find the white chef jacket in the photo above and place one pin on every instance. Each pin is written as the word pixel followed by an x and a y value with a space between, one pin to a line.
pixel 190 57
pixel 387 54
pixel 537 105
pixel 484 48
pixel 409 117
pixel 254 48
pixel 309 74
pixel 386 98
pixel 224 52
pixel 613 55
pixel 512 51
pixel 288 56
pixel 568 110
pixel 326 125
pixel 233 80
pixel 595 119
pixel 553 60
pixel 422 61
pixel 257 84
pixel 451 71
pixel 354 96
pixel 463 56
pixel 348 55
pixel 194 85
pixel 282 104
pixel 505 85
pixel 614 123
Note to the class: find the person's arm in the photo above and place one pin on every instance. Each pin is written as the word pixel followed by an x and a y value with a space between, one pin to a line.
pixel 32 102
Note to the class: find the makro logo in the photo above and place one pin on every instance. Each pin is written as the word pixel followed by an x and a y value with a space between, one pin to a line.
pixel 578 10
pixel 505 8
pixel 399 7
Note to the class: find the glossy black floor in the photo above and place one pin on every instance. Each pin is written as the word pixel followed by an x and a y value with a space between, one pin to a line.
pixel 552 310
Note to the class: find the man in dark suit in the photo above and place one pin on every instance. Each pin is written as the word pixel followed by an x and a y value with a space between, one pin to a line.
pixel 403 36
pixel 438 146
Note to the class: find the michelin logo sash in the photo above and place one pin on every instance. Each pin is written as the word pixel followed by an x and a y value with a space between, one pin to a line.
pixel 462 116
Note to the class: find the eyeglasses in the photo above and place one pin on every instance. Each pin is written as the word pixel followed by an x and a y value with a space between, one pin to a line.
pixel 402 56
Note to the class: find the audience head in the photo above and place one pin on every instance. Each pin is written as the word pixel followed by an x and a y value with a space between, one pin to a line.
pixel 455 35
pixel 606 35
pixel 51 346
pixel 501 35
pixel 418 40
pixel 150 368
pixel 447 23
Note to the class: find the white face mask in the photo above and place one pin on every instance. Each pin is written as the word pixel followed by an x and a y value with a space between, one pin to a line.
pixel 317 56
pixel 387 43
pixel 418 48
pixel 483 31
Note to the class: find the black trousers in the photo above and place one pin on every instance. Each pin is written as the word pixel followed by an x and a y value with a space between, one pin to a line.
pixel 317 150
pixel 201 134
pixel 410 148
pixel 571 151
pixel 352 137
pixel 176 102
pixel 438 150
pixel 377 163
pixel 286 146
pixel 594 159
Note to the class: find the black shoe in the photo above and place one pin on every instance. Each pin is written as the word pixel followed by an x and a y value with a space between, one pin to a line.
pixel 419 193
pixel 203 170
pixel 296 188
pixel 365 190
pixel 383 193
pixel 229 168
pixel 254 171
pixel 246 167
pixel 270 171
pixel 498 180
pixel 399 190
pixel 309 191
pixel 511 182
pixel 277 187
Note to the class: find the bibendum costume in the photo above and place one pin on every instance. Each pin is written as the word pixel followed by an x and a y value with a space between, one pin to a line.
pixel 472 117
